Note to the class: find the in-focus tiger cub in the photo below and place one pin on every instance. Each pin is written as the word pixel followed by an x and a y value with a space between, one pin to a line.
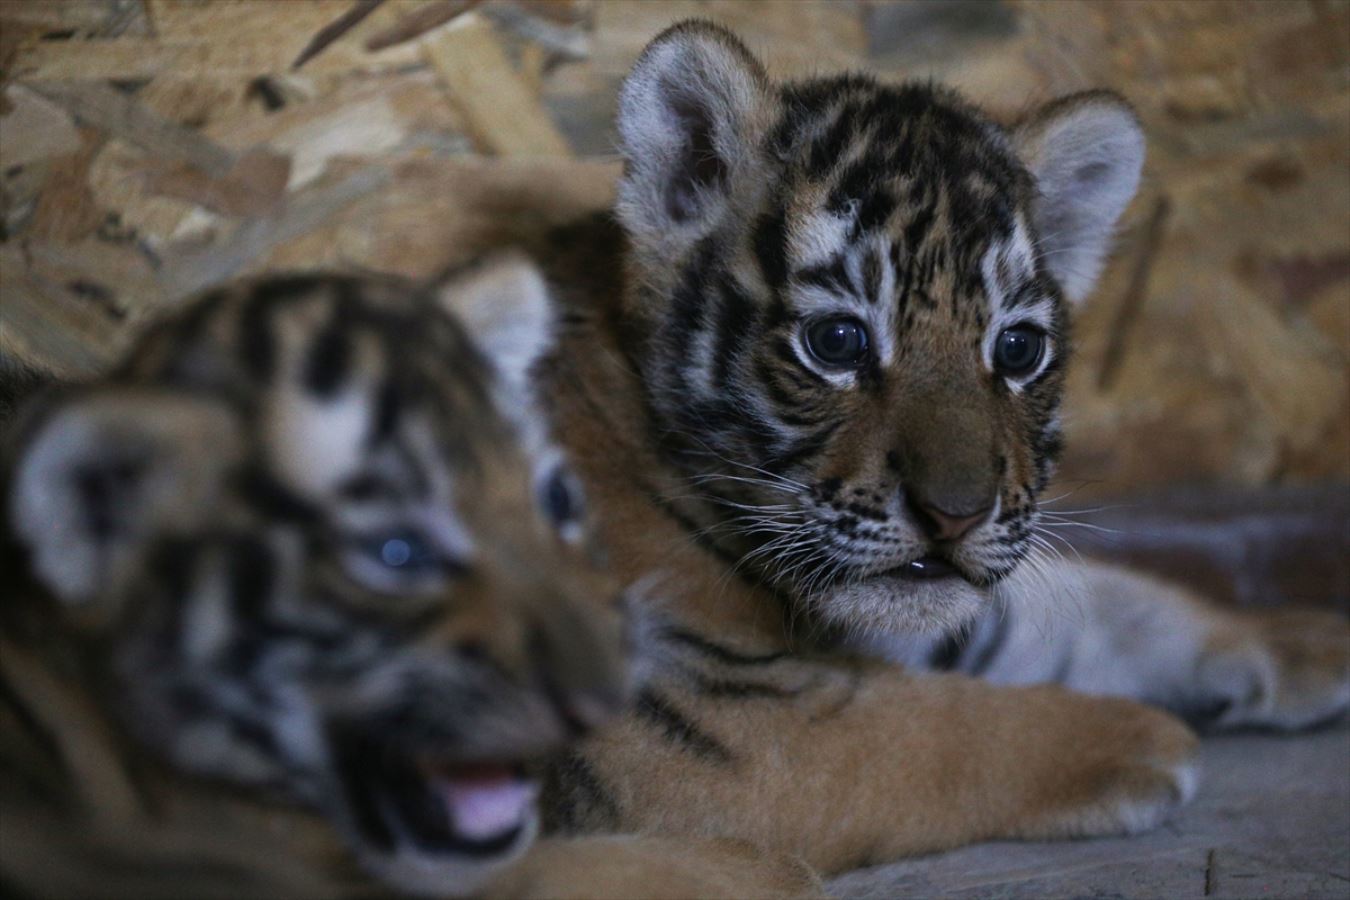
pixel 304 566
pixel 812 374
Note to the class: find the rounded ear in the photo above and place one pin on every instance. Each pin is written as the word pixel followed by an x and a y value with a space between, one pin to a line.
pixel 1086 152
pixel 503 303
pixel 96 478
pixel 690 112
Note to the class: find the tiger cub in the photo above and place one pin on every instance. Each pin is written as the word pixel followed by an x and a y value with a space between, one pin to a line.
pixel 811 373
pixel 301 581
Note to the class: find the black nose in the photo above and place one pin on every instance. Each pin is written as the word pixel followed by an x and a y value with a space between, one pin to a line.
pixel 945 524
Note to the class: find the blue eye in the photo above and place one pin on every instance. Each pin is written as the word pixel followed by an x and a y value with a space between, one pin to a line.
pixel 403 550
pixel 400 560
pixel 396 552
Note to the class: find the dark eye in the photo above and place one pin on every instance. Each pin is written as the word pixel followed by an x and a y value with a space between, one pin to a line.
pixel 839 341
pixel 1018 350
pixel 405 550
pixel 561 497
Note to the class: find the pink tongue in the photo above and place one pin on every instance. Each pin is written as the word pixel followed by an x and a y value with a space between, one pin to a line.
pixel 487 802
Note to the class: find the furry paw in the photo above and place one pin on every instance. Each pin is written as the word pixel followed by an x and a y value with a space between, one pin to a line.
pixel 1283 669
pixel 1126 769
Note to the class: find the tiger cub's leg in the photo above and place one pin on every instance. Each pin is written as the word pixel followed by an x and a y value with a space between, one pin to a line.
pixel 1104 629
pixel 851 764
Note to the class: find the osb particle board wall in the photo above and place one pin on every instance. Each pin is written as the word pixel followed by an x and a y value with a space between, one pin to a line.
pixel 151 147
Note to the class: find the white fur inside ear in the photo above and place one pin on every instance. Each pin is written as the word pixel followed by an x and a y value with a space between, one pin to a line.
pixel 503 303
pixel 1086 153
pixel 688 112
pixel 108 471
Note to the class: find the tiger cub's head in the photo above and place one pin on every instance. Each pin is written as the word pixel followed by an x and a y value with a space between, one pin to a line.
pixel 310 541
pixel 850 308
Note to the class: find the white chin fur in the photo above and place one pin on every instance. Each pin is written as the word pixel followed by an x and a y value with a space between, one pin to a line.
pixel 428 875
pixel 892 604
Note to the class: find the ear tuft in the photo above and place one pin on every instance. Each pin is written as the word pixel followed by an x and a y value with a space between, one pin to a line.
pixel 1086 152
pixel 503 302
pixel 688 112
pixel 106 472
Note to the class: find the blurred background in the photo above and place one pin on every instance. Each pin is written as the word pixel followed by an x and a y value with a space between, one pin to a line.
pixel 150 148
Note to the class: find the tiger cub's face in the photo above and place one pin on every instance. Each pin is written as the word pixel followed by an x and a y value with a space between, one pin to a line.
pixel 314 545
pixel 851 309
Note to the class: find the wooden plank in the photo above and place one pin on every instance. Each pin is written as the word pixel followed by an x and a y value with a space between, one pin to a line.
pixel 46 325
pixel 121 115
pixel 136 58
pixel 35 128
pixel 191 271
pixel 499 110
pixel 190 166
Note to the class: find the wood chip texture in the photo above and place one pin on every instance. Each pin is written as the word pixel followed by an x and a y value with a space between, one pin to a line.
pixel 149 148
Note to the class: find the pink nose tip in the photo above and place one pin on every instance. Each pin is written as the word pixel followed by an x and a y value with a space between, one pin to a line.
pixel 944 526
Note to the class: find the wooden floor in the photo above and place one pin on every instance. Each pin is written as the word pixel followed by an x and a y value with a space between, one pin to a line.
pixel 1272 820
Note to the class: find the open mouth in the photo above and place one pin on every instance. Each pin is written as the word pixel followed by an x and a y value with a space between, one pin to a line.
pixel 399 799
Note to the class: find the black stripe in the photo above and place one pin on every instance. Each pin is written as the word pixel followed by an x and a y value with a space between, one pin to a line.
pixel 687 304
pixel 721 652
pixel 252 573
pixel 257 343
pixel 828 148
pixel 806 447
pixel 356 758
pixel 255 332
pixel 259 735
pixel 770 244
pixel 872 276
pixel 657 710
pixel 782 399
pixel 829 276
pixel 781 347
pixel 987 650
pixel 700 537
pixel 738 316
pixel 916 231
pixel 859 183
pixel 728 689
pixel 875 209
pixel 328 359
pixel 173 565
pixel 947 652
pixel 575 798
pixel 388 405
pixel 193 321
pixel 270 497
pixel 688 299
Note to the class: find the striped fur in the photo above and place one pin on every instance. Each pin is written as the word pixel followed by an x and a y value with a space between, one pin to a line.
pixel 215 675
pixel 907 211
pixel 783 505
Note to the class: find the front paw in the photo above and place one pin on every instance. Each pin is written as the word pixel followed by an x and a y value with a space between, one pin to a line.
pixel 1282 669
pixel 1124 768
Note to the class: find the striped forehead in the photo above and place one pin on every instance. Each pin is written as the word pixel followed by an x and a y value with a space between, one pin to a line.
pixel 335 368
pixel 872 275
pixel 820 236
pixel 1008 273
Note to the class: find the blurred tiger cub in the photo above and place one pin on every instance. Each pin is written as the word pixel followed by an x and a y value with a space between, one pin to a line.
pixel 301 582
